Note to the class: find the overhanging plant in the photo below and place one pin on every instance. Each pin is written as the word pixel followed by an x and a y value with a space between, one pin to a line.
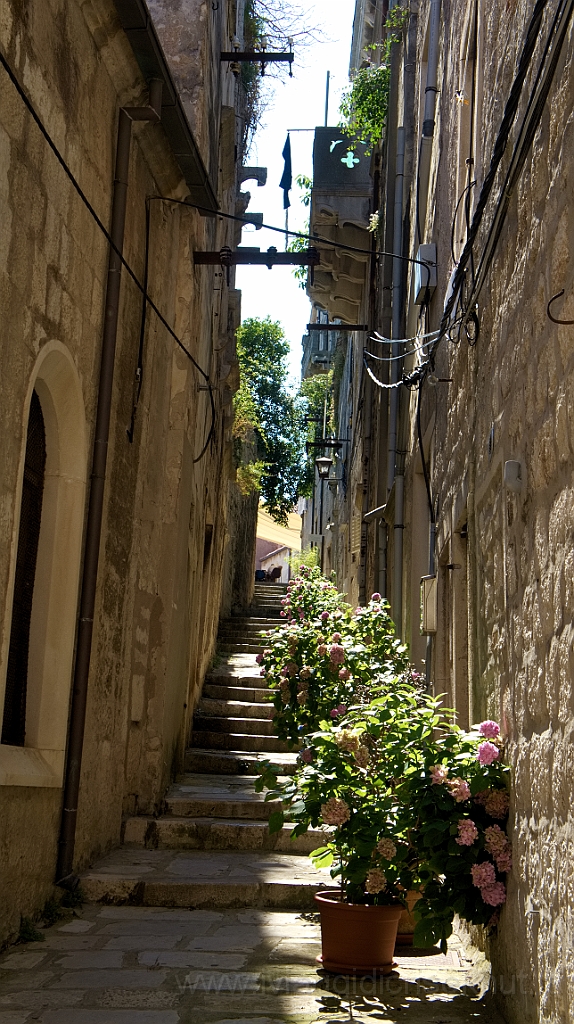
pixel 364 105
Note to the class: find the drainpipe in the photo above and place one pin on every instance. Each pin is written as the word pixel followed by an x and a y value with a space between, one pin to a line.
pixel 429 119
pixel 98 478
pixel 392 477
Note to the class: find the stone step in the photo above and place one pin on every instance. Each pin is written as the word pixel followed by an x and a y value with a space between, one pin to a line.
pixel 254 726
pixel 204 878
pixel 216 834
pixel 209 707
pixel 216 691
pixel 248 622
pixel 229 647
pixel 217 796
pixel 227 678
pixel 235 762
pixel 212 740
pixel 243 633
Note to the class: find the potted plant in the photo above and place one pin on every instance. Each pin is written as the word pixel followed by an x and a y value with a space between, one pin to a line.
pixel 410 803
pixel 326 656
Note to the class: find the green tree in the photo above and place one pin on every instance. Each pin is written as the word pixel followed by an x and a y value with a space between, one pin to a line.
pixel 302 244
pixel 275 415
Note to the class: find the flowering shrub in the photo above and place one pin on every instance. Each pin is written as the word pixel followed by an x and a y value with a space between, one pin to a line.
pixel 326 656
pixel 408 802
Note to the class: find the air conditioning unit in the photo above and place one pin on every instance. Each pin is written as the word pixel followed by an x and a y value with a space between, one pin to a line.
pixel 425 278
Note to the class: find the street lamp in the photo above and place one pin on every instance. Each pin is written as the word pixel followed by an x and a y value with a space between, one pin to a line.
pixel 323 464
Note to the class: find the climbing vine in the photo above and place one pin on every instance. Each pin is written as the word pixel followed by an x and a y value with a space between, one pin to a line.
pixel 365 104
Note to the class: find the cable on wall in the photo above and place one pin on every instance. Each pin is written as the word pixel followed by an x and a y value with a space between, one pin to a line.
pixel 77 187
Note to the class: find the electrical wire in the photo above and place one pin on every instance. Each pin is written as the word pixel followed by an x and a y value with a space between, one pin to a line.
pixel 410 380
pixel 393 359
pixel 501 143
pixel 77 187
pixel 427 264
pixel 530 122
pixel 464 192
pixel 139 369
pixel 423 460
pixel 400 341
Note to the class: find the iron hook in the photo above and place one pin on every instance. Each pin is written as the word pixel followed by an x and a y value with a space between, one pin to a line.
pixel 553 318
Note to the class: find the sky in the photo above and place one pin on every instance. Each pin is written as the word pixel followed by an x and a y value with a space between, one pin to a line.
pixel 297 102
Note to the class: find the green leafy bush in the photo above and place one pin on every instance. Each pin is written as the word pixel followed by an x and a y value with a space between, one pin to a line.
pixel 326 656
pixel 411 805
pixel 407 799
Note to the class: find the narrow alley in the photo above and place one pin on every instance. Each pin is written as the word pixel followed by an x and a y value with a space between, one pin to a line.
pixel 202 917
pixel 286 511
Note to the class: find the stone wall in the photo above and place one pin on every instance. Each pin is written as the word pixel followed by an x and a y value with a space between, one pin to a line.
pixel 165 514
pixel 504 647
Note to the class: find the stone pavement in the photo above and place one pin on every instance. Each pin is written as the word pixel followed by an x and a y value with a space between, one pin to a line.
pixel 141 965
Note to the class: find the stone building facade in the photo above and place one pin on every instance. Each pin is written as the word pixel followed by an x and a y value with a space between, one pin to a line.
pixel 469 466
pixel 170 506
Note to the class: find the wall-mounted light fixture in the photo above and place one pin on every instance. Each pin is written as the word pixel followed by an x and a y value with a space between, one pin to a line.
pixel 323 464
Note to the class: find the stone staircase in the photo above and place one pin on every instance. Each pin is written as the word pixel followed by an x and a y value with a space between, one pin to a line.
pixel 211 845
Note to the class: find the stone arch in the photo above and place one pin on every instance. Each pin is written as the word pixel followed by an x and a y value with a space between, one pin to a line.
pixel 52 626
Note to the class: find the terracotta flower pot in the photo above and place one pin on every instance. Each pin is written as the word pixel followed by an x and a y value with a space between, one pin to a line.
pixel 355 938
pixel 407 922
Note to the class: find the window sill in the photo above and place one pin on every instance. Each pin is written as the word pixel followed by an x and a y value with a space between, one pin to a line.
pixel 26 766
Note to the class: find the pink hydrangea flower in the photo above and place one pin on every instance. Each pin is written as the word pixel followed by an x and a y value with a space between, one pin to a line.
pixel 324 616
pixel 467 832
pixel 483 874
pixel 387 848
pixel 322 649
pixel 497 844
pixel 487 753
pixel 494 894
pixel 439 773
pixel 376 881
pixel 305 672
pixel 344 673
pixel 262 672
pixel 259 659
pixel 337 654
pixel 490 730
pixel 335 812
pixel 336 638
pixel 283 614
pixel 459 789
pixel 376 597
pixel 339 710
pixel 306 755
pixel 497 803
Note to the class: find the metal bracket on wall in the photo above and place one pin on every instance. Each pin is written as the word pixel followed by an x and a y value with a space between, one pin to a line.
pixel 553 318
pixel 253 257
